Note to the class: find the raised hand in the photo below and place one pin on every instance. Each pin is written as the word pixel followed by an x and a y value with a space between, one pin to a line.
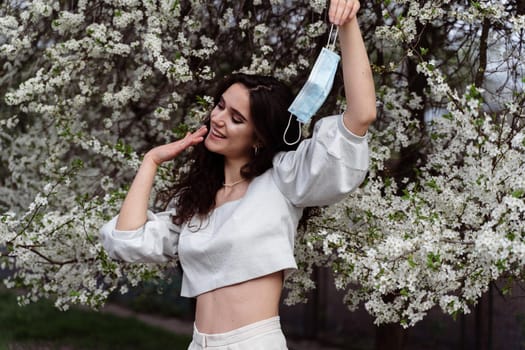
pixel 134 209
pixel 164 153
pixel 359 83
pixel 343 11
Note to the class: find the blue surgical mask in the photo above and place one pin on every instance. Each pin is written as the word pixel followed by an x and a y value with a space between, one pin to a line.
pixel 317 88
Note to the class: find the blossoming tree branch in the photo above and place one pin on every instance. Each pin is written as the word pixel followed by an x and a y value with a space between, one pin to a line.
pixel 88 87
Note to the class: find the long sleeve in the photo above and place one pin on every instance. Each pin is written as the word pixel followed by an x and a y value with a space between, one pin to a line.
pixel 156 241
pixel 324 168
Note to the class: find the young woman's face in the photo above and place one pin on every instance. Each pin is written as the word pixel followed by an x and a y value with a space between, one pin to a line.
pixel 232 132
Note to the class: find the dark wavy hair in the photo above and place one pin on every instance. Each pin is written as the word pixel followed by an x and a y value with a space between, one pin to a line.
pixel 269 101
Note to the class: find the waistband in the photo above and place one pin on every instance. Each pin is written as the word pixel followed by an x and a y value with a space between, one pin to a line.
pixel 237 335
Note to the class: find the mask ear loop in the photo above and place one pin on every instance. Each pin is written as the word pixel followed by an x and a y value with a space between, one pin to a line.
pixel 286 132
pixel 332 41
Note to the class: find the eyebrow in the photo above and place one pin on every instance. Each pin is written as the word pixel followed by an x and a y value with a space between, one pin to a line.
pixel 234 110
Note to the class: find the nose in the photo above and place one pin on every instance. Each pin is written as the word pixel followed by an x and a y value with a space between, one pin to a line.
pixel 218 117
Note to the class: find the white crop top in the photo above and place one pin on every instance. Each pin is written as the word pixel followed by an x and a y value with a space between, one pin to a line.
pixel 254 235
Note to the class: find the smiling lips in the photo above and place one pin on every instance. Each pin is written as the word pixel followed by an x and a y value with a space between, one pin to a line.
pixel 217 134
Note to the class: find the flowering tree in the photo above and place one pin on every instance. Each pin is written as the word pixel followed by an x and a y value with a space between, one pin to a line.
pixel 441 213
pixel 89 86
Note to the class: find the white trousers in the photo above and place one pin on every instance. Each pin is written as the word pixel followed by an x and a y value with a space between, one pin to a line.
pixel 261 335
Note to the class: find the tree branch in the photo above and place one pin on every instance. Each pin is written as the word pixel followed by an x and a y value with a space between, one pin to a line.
pixel 483 46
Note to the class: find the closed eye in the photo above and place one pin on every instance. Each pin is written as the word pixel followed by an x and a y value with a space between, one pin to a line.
pixel 237 117
pixel 237 120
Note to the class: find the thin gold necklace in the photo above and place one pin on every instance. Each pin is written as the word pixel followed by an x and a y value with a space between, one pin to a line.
pixel 233 183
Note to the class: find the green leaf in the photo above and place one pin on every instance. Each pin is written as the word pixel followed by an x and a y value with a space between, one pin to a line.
pixel 473 93
pixel 479 121
pixel 202 102
pixel 180 130
pixel 397 216
pixel 175 5
pixel 411 261
pixel 77 163
pixel 432 184
pixel 455 315
pixel 500 264
pixel 433 261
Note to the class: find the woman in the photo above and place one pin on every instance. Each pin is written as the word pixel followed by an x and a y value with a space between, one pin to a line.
pixel 234 217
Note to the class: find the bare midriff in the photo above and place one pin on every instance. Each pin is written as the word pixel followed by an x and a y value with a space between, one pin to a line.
pixel 228 308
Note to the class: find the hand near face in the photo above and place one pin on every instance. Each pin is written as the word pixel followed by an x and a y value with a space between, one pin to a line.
pixel 342 11
pixel 164 153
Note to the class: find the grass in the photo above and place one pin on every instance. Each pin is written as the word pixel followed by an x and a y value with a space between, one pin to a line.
pixel 41 323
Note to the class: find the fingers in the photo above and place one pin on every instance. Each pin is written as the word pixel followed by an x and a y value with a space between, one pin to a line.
pixel 164 153
pixel 193 138
pixel 342 11
pixel 354 10
pixel 201 132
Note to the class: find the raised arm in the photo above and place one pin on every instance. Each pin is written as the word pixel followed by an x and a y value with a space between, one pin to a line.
pixel 358 80
pixel 133 213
